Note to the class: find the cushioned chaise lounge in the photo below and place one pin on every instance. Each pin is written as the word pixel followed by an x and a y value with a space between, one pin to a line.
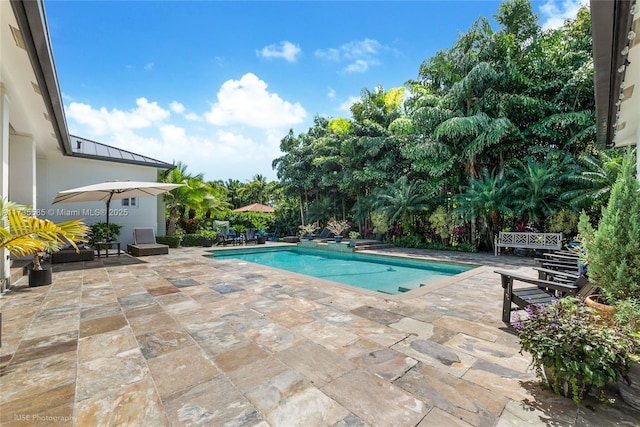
pixel 144 243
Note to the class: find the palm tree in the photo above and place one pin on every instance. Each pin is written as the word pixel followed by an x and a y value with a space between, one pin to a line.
pixel 22 234
pixel 190 194
pixel 256 190
pixel 536 187
pixel 402 200
pixel 484 198
pixel 595 181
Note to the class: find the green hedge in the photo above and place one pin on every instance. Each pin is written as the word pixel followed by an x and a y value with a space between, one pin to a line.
pixel 191 240
pixel 172 241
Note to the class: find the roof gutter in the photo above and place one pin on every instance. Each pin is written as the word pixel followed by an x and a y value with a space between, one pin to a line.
pixel 31 18
pixel 610 24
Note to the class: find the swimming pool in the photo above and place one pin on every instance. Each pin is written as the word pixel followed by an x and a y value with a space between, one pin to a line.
pixel 391 275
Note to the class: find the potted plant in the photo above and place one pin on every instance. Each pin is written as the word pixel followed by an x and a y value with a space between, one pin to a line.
pixel 574 348
pixel 307 230
pixel 337 227
pixel 24 235
pixel 260 224
pixel 612 250
pixel 208 237
pixel 353 235
pixel 99 232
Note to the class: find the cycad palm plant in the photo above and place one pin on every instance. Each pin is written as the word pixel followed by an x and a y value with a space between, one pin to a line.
pixel 22 234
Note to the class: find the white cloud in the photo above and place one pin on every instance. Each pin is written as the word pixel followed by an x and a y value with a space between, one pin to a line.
pixel 193 117
pixel 219 153
pixel 178 108
pixel 149 66
pixel 285 50
pixel 247 101
pixel 358 66
pixel 360 54
pixel 553 14
pixel 346 105
pixel 332 93
pixel 103 121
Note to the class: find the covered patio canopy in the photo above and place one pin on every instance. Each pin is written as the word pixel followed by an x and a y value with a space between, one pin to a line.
pixel 255 207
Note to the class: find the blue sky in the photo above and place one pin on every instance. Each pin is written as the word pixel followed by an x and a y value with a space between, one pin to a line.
pixel 218 84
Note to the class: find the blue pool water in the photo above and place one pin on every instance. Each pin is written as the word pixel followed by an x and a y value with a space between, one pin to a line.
pixel 374 272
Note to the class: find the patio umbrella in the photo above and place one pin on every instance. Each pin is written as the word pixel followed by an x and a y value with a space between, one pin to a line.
pixel 113 190
pixel 255 207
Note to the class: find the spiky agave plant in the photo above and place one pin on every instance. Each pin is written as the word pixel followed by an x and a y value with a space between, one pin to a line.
pixel 22 234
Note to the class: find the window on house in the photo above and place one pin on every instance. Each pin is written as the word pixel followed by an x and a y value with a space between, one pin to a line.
pixel 130 202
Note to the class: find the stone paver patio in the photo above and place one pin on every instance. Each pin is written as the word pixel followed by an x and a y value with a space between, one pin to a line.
pixel 184 340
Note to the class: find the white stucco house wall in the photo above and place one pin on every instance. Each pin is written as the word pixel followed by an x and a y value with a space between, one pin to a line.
pixel 38 157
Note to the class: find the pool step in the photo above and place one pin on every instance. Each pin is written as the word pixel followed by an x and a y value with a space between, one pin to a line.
pixel 373 246
pixel 402 289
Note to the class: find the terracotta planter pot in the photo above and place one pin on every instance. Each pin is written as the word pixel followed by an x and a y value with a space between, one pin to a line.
pixel 597 303
pixel 631 392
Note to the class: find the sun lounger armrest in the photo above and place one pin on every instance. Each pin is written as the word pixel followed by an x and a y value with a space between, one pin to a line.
pixel 510 276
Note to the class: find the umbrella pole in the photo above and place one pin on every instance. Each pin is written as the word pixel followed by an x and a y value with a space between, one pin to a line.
pixel 108 202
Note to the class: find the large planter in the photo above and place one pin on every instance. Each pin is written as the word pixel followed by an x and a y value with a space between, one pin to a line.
pixel 563 387
pixel 262 240
pixel 630 391
pixel 40 277
pixel 338 239
pixel 597 303
pixel 207 243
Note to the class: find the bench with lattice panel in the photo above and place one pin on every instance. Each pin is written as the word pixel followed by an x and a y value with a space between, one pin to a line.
pixel 513 239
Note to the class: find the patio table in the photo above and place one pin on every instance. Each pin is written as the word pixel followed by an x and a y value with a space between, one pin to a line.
pixel 106 246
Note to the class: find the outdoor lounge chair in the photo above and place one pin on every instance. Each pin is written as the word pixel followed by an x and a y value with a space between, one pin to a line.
pixel 250 236
pixel 323 235
pixel 144 243
pixel 543 293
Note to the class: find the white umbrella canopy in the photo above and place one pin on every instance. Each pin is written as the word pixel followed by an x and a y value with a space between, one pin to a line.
pixel 113 190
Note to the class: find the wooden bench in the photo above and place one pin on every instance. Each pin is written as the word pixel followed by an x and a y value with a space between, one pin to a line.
pixel 509 239
pixel 543 293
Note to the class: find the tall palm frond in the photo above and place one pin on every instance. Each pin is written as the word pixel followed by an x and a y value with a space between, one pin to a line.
pixel 594 182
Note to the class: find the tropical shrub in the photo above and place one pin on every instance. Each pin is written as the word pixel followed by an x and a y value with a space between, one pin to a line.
pixel 565 222
pixel 442 224
pixel 380 223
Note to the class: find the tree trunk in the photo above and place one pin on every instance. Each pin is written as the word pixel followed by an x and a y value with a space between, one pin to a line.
pixel 301 211
pixel 171 227
pixel 472 228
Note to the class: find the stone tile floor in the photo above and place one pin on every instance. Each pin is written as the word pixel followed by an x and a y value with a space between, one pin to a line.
pixel 182 340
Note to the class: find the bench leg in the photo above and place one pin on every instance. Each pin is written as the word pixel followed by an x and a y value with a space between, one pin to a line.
pixel 507 284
